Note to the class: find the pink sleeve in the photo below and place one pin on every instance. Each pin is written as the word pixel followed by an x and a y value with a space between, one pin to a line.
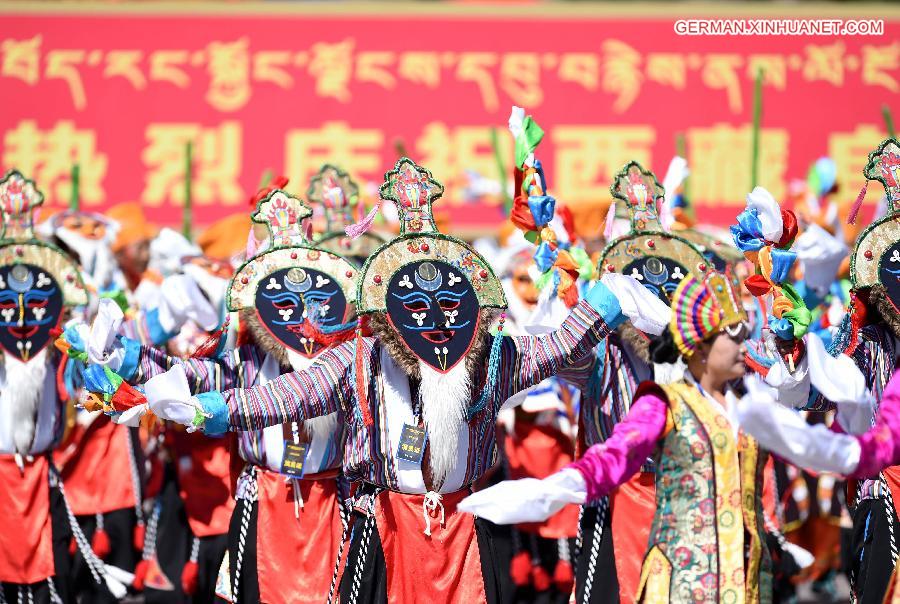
pixel 611 463
pixel 880 446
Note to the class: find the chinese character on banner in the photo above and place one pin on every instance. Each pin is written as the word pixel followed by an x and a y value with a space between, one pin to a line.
pixel 217 158
pixel 461 154
pixel 47 157
pixel 720 158
pixel 357 151
pixel 587 157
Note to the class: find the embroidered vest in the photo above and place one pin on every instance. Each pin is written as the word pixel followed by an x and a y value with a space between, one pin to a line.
pixel 707 539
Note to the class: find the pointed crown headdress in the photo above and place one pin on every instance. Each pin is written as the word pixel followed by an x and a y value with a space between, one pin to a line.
pixel 19 199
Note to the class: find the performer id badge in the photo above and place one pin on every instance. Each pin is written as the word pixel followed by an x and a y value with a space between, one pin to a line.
pixel 293 459
pixel 412 443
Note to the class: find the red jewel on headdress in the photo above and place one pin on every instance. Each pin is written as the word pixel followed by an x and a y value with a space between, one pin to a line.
pixel 702 267
pixel 245 280
pixel 651 244
pixel 349 274
pixel 70 278
pixel 377 279
pixel 610 268
pixel 868 254
pixel 425 247
pixel 483 273
pixel 293 255
pixel 19 251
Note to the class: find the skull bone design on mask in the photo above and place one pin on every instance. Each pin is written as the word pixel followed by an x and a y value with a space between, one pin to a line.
pixel 300 307
pixel 31 305
pixel 658 274
pixel 436 311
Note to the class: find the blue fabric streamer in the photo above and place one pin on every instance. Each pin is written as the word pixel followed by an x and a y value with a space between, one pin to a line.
pixel 490 384
pixel 782 328
pixel 606 304
pixel 95 381
pixel 747 233
pixel 542 208
pixel 132 358
pixel 782 261
pixel 544 257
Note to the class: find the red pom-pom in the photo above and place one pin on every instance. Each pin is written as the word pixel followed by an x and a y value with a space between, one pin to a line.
pixel 100 543
pixel 540 578
pixel 189 577
pixel 140 574
pixel 521 214
pixel 138 536
pixel 789 229
pixel 563 577
pixel 73 546
pixel 520 569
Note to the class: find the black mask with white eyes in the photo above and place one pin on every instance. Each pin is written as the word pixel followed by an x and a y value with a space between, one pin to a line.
pixel 889 274
pixel 31 304
pixel 435 309
pixel 299 306
pixel 660 275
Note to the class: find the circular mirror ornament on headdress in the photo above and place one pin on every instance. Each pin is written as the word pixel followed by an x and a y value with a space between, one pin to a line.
pixel 301 294
pixel 657 259
pixel 875 261
pixel 37 280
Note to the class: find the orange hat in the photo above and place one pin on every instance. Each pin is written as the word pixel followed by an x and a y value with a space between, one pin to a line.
pixel 226 237
pixel 133 225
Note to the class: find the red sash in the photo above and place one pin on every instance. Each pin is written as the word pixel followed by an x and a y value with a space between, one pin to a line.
pixel 26 540
pixel 445 567
pixel 295 556
pixel 96 469
pixel 204 482
pixel 633 507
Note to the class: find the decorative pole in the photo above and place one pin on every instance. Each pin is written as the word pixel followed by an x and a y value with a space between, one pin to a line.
pixel 757 118
pixel 501 171
pixel 186 211
pixel 888 121
pixel 76 183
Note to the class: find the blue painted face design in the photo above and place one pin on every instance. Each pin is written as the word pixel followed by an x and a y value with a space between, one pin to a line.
pixel 435 310
pixel 889 273
pixel 299 305
pixel 659 275
pixel 31 304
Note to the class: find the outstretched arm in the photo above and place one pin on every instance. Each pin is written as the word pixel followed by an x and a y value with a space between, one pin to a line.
pixel 527 360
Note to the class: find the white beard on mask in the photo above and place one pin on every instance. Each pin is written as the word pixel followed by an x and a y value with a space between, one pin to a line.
pixel 20 397
pixel 445 398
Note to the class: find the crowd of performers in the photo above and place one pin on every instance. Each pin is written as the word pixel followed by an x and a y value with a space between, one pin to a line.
pixel 297 407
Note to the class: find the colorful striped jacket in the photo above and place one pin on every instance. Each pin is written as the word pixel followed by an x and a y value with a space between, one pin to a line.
pixel 373 432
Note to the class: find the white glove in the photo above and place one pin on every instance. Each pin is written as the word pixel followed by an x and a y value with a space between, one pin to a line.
pixel 102 346
pixel 821 254
pixel 646 311
pixel 802 557
pixel 792 388
pixel 527 500
pixel 840 381
pixel 181 301
pixel 169 397
pixel 784 432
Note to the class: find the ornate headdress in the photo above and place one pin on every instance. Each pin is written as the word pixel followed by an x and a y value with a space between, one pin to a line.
pixel 875 261
pixel 659 260
pixel 37 279
pixel 430 285
pixel 337 195
pixel 302 294
pixel 703 308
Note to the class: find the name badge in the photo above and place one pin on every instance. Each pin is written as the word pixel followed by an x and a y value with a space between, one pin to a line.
pixel 412 444
pixel 293 459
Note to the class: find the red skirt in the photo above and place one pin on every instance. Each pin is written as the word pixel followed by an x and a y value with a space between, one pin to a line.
pixel 295 556
pixel 633 506
pixel 26 539
pixel 443 567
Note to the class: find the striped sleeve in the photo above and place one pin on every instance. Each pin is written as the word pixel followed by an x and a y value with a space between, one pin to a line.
pixel 203 374
pixel 325 387
pixel 528 360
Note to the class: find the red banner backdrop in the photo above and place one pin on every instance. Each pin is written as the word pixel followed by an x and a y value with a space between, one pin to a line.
pixel 119 90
